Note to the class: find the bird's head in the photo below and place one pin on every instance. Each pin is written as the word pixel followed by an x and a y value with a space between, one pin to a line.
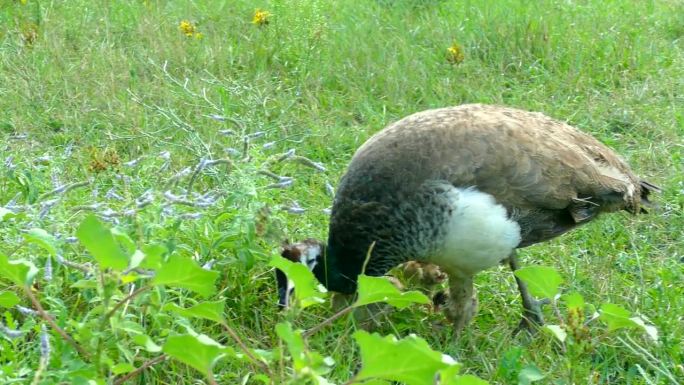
pixel 309 252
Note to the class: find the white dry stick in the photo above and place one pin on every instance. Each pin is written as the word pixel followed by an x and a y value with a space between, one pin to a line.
pixel 132 163
pixel 284 183
pixel 61 190
pixel 47 274
pixel 329 189
pixel 26 311
pixel 295 208
pixel 307 162
pixel 111 194
pixel 11 333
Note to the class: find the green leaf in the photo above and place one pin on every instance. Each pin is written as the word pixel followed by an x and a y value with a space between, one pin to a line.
pixel 8 299
pixel 211 310
pixel 378 289
pixel 123 240
pixel 6 214
pixel 574 301
pixel 20 272
pixel 293 340
pixel 616 317
pixel 449 375
pixel 542 281
pixel 557 331
pixel 305 362
pixel 146 342
pixel 43 239
pixel 198 351
pixel 185 273
pixel 409 360
pixel 99 242
pixel 530 374
pixel 467 379
pixel 153 256
pixel 122 368
pixel 308 291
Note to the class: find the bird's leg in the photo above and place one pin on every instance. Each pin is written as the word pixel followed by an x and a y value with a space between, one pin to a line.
pixel 461 305
pixel 532 314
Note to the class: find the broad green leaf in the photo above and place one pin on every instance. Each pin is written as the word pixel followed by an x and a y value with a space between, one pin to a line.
pixel 20 272
pixel 466 379
pixel 409 360
pixel 185 273
pixel 574 301
pixel 100 242
pixel 305 362
pixel 8 299
pixel 146 342
pixel 557 331
pixel 449 375
pixel 650 330
pixel 530 374
pixel 616 317
pixel 154 256
pixel 122 368
pixel 378 289
pixel 542 281
pixel 85 284
pixel 198 351
pixel 43 239
pixel 211 310
pixel 123 240
pixel 308 291
pixel 6 214
pixel 136 258
pixel 293 340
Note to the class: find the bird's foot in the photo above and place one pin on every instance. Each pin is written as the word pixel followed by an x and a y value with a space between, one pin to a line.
pixel 533 317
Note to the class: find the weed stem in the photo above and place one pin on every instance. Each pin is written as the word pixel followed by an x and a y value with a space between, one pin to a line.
pixel 44 315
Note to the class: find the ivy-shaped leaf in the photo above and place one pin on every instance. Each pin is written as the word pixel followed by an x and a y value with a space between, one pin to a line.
pixel 200 351
pixel 409 360
pixel 211 310
pixel 466 379
pixel 20 272
pixel 100 243
pixel 574 301
pixel 378 289
pixel 305 362
pixel 616 317
pixel 6 214
pixel 8 299
pixel 185 273
pixel 557 331
pixel 543 281
pixel 308 291
pixel 146 342
pixel 530 374
pixel 43 239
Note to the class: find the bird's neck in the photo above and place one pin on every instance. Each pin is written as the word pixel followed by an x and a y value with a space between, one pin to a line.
pixel 333 274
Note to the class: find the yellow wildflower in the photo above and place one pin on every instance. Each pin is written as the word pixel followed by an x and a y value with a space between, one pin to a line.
pixel 190 30
pixel 187 28
pixel 455 54
pixel 261 17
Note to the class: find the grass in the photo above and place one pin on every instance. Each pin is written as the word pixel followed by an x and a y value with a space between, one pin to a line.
pixel 87 86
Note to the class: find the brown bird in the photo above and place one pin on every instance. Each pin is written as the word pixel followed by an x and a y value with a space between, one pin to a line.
pixel 463 188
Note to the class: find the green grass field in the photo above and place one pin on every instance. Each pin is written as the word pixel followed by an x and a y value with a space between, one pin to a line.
pixel 115 94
